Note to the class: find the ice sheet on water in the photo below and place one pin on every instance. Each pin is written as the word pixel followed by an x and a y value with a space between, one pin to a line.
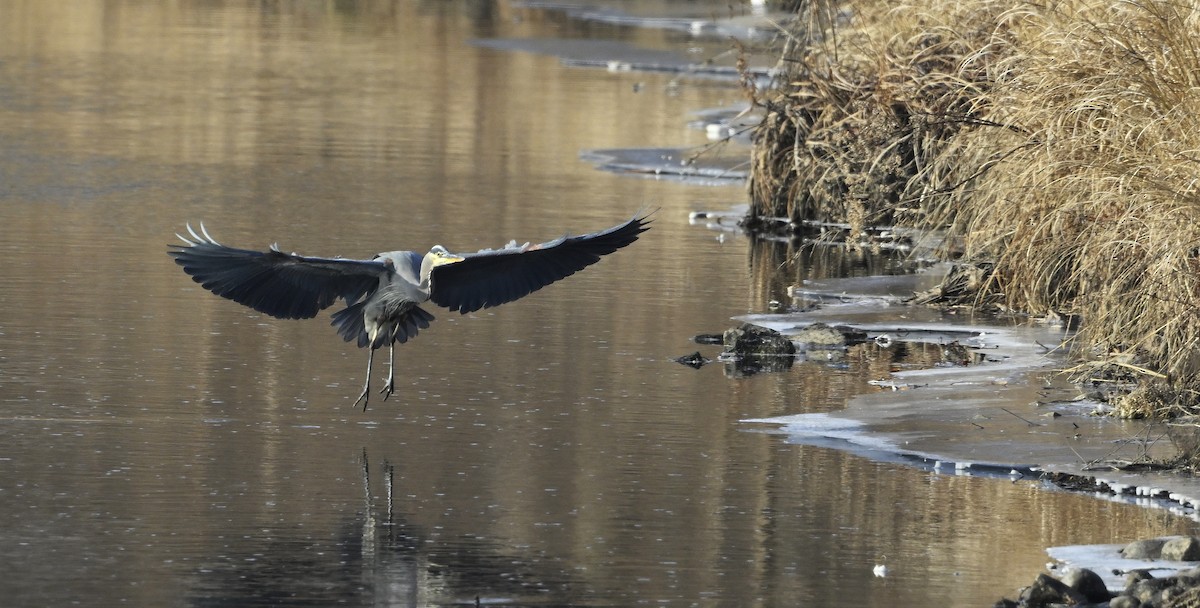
pixel 826 430
pixel 1107 561
pixel 757 23
pixel 670 163
pixel 831 431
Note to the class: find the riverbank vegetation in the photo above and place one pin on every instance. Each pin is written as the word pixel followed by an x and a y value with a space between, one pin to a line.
pixel 1054 144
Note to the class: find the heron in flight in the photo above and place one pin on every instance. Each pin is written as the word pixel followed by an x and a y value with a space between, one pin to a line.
pixel 383 295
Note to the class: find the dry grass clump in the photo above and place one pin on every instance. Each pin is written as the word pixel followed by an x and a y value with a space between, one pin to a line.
pixel 869 96
pixel 1085 193
pixel 1059 141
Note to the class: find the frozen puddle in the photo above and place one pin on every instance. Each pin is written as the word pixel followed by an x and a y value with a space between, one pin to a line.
pixel 670 163
pixel 756 24
pixel 614 54
pixel 700 165
pixel 617 56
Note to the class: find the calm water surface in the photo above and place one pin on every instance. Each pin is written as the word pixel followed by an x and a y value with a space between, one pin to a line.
pixel 162 446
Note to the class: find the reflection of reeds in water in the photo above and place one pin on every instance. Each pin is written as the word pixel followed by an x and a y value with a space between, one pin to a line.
pixel 1057 140
pixel 777 266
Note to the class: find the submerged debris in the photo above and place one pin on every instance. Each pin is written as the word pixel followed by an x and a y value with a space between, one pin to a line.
pixel 694 360
pixel 963 285
pixel 752 348
pixel 958 355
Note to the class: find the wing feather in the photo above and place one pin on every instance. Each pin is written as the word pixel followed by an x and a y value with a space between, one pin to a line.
pixel 283 285
pixel 496 276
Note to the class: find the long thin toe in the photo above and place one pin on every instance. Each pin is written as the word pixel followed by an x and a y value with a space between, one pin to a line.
pixel 387 391
pixel 364 397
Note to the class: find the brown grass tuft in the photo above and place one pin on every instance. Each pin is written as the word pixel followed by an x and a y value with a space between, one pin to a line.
pixel 870 98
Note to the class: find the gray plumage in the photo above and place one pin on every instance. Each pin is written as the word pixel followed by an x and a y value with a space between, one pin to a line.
pixel 383 295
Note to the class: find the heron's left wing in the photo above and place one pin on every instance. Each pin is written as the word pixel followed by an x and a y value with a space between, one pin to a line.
pixel 496 276
pixel 283 285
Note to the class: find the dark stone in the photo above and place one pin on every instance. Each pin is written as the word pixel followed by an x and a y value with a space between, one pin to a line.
pixel 1182 549
pixel 1124 601
pixel 1150 591
pixel 694 360
pixel 708 339
pixel 1183 598
pixel 1187 579
pixel 1136 576
pixel 1144 549
pixel 1005 603
pixel 853 335
pixel 755 340
pixel 1088 583
pixel 1047 591
pixel 820 335
pixel 750 349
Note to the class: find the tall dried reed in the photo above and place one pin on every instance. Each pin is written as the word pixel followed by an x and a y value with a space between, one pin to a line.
pixel 868 97
pixel 1086 192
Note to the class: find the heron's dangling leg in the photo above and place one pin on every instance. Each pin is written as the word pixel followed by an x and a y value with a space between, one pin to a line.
pixel 390 386
pixel 366 385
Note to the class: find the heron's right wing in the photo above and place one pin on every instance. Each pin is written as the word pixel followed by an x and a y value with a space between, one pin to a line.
pixel 283 285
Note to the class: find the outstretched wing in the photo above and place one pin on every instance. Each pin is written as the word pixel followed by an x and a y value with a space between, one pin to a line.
pixel 494 277
pixel 283 285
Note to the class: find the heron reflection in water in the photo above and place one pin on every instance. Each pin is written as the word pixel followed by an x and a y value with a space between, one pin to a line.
pixel 383 295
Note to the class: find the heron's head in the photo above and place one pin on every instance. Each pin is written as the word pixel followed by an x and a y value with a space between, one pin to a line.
pixel 438 255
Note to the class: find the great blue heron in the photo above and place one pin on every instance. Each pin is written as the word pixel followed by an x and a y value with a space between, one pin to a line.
pixel 383 294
